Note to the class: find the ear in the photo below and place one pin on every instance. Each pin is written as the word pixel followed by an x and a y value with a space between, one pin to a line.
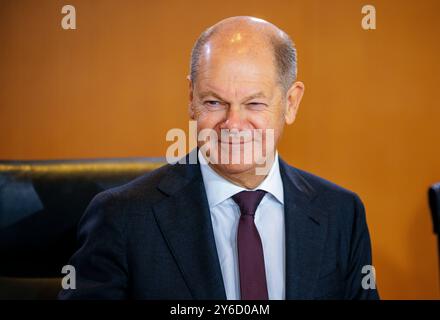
pixel 293 98
pixel 190 103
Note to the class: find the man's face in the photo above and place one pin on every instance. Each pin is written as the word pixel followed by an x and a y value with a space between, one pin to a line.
pixel 237 90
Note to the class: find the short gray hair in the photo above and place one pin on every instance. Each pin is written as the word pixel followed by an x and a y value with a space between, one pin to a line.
pixel 284 54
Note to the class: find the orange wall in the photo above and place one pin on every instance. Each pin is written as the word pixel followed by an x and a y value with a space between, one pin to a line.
pixel 369 120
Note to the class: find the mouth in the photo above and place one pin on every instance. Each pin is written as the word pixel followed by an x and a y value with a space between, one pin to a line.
pixel 233 143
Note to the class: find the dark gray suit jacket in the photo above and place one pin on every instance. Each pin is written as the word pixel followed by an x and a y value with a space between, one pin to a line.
pixel 152 239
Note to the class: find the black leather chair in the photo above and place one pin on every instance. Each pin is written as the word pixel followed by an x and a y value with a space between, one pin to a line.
pixel 434 204
pixel 41 203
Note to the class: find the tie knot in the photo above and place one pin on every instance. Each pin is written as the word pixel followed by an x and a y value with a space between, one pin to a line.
pixel 248 201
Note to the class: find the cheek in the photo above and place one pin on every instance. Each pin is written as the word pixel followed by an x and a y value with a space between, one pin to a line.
pixel 268 120
pixel 264 120
pixel 206 119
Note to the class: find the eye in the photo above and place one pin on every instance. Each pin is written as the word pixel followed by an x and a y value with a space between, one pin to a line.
pixel 256 105
pixel 213 104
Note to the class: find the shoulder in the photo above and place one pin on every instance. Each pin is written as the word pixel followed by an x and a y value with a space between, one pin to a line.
pixel 316 185
pixel 135 195
pixel 326 188
pixel 334 199
pixel 343 208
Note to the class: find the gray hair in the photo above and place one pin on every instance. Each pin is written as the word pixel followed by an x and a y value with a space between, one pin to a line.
pixel 283 48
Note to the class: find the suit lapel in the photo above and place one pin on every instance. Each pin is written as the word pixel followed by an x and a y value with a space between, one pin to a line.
pixel 306 230
pixel 185 221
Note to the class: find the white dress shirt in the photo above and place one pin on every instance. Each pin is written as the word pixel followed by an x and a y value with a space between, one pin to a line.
pixel 269 220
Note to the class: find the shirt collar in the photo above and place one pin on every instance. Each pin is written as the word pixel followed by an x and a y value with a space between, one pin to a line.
pixel 218 189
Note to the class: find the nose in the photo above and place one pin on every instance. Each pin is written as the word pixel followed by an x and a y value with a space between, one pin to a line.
pixel 234 118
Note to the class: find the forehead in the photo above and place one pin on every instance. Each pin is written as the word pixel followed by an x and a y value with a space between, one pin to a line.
pixel 237 71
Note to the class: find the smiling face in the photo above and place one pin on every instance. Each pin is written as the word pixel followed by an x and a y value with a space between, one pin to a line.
pixel 237 89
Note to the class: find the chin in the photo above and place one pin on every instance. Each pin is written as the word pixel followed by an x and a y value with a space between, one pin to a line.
pixel 233 168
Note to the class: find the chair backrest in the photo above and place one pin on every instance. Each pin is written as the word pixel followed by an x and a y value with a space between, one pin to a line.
pixel 434 204
pixel 41 203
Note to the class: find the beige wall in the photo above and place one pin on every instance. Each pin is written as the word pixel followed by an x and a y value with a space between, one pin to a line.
pixel 369 120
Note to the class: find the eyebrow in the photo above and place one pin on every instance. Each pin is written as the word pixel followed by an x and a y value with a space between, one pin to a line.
pixel 259 94
pixel 205 94
pixel 256 95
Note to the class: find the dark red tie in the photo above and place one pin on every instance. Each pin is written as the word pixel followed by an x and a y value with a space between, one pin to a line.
pixel 250 251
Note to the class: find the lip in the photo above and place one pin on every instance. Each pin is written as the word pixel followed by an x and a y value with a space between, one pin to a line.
pixel 231 143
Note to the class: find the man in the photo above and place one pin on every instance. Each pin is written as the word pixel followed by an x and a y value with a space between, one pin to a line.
pixel 218 229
